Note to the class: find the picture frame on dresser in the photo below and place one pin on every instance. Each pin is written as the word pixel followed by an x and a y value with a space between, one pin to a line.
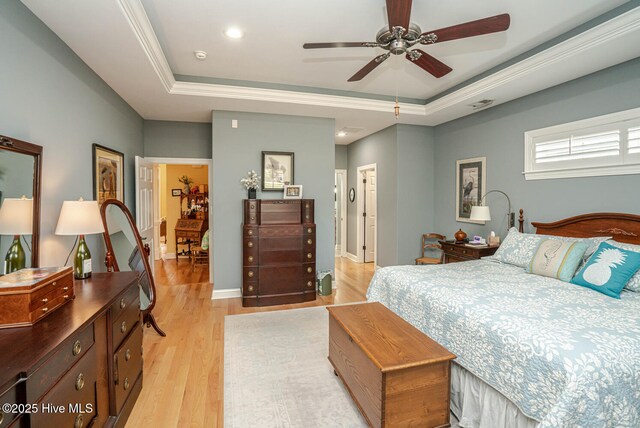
pixel 471 184
pixel 277 170
pixel 292 192
pixel 108 174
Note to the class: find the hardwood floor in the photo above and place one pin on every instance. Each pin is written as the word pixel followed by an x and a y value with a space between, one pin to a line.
pixel 183 372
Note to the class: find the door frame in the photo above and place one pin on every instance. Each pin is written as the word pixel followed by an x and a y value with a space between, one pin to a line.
pixel 360 210
pixel 191 161
pixel 343 212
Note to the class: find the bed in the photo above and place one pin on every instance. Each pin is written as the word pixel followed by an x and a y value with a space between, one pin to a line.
pixel 532 351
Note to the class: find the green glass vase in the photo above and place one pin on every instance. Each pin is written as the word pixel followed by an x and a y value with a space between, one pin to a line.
pixel 15 259
pixel 82 260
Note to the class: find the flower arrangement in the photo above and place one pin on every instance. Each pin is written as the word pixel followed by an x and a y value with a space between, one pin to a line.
pixel 187 183
pixel 251 181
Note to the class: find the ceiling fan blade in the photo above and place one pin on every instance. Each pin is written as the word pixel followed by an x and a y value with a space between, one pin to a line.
pixel 337 45
pixel 428 63
pixel 368 68
pixel 398 13
pixel 489 25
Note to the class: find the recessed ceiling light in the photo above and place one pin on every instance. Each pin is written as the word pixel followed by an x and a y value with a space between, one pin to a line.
pixel 342 134
pixel 233 33
pixel 201 55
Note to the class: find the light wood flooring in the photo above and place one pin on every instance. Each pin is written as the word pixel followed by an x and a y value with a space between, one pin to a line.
pixel 183 372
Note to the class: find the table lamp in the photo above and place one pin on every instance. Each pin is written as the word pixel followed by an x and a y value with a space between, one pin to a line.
pixel 16 218
pixel 482 212
pixel 80 218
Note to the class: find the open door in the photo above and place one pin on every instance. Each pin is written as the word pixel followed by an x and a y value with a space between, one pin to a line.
pixel 144 204
pixel 370 218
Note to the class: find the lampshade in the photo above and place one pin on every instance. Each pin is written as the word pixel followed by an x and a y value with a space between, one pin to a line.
pixel 16 216
pixel 79 218
pixel 480 213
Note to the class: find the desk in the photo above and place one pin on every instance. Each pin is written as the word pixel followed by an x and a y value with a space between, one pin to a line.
pixel 189 232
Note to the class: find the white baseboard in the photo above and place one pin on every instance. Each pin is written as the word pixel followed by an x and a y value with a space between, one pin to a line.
pixel 168 256
pixel 352 257
pixel 230 293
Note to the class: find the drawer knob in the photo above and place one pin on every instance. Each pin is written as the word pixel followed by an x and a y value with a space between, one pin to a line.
pixel 309 269
pixel 309 283
pixel 45 309
pixel 79 421
pixel 253 218
pixel 307 217
pixel 250 232
pixel 66 296
pixel 65 288
pixel 126 383
pixel 79 382
pixel 123 327
pixel 55 283
pixel 250 288
pixel 309 255
pixel 250 258
pixel 77 348
pixel 123 304
pixel 250 274
pixel 306 205
pixel 250 245
pixel 309 241
pixel 252 206
pixel 127 355
pixel 309 230
pixel 45 300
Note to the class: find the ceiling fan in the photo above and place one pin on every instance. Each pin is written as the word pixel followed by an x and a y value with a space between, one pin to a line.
pixel 402 35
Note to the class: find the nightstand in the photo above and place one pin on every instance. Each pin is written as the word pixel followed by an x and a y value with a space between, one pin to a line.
pixel 461 253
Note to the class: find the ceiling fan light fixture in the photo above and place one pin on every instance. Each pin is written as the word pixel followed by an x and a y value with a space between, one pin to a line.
pixel 234 33
pixel 341 134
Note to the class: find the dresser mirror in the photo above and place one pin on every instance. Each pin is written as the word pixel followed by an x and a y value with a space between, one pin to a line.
pixel 20 176
pixel 125 252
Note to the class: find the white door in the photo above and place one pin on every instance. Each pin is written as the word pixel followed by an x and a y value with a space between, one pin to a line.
pixel 370 217
pixel 144 204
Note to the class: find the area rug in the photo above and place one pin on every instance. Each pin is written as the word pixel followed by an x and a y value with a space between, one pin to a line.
pixel 276 372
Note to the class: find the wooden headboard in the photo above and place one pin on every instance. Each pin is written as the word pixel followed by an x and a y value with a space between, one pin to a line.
pixel 622 227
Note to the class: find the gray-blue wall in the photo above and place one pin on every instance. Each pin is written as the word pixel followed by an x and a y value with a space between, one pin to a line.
pixel 51 98
pixel 177 139
pixel 404 158
pixel 235 151
pixel 341 156
pixel 498 134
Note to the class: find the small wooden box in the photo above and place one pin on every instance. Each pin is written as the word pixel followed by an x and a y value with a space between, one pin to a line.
pixel 397 375
pixel 28 295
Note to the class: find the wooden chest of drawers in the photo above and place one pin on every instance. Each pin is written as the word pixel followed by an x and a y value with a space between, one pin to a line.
pixel 28 295
pixel 278 252
pixel 461 253
pixel 397 376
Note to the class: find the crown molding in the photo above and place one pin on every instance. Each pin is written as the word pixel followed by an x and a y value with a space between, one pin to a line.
pixel 138 20
pixel 617 27
pixel 290 97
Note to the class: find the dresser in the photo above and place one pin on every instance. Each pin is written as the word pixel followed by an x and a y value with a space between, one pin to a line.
pixel 278 252
pixel 81 365
pixel 461 253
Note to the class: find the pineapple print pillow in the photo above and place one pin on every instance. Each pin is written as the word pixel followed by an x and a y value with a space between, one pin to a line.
pixel 608 270
pixel 634 282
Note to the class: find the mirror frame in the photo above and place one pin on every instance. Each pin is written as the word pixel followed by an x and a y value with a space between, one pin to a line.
pixel 112 264
pixel 19 146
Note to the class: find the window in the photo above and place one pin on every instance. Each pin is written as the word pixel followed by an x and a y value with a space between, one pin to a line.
pixel 603 145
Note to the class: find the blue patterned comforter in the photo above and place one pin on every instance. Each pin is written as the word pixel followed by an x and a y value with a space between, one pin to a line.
pixel 567 356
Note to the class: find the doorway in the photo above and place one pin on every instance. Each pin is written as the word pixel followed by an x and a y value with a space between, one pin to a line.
pixel 367 230
pixel 340 216
pixel 163 200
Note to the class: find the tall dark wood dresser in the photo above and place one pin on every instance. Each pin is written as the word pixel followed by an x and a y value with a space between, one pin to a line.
pixel 278 252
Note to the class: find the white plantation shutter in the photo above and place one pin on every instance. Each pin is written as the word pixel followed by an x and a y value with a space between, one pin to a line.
pixel 605 145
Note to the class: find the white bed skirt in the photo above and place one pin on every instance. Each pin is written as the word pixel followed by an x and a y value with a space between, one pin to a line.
pixel 477 405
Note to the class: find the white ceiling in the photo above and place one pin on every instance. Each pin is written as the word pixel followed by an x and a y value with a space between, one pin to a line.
pixel 137 46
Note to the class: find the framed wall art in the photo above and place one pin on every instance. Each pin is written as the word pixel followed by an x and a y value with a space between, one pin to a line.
pixel 292 192
pixel 108 174
pixel 471 185
pixel 277 170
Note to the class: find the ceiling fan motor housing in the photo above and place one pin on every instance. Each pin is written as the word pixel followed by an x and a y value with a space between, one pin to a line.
pixel 395 45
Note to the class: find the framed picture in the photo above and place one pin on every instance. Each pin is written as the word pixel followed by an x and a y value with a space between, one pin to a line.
pixel 277 170
pixel 108 174
pixel 471 182
pixel 176 192
pixel 292 191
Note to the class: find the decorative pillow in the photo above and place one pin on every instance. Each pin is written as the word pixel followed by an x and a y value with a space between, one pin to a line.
pixel 634 282
pixel 518 248
pixel 557 259
pixel 608 270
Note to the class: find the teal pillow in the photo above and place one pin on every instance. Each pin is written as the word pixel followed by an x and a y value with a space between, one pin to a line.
pixel 557 259
pixel 608 270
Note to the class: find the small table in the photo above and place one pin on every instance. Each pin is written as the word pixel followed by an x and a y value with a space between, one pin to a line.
pixel 397 375
pixel 454 252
